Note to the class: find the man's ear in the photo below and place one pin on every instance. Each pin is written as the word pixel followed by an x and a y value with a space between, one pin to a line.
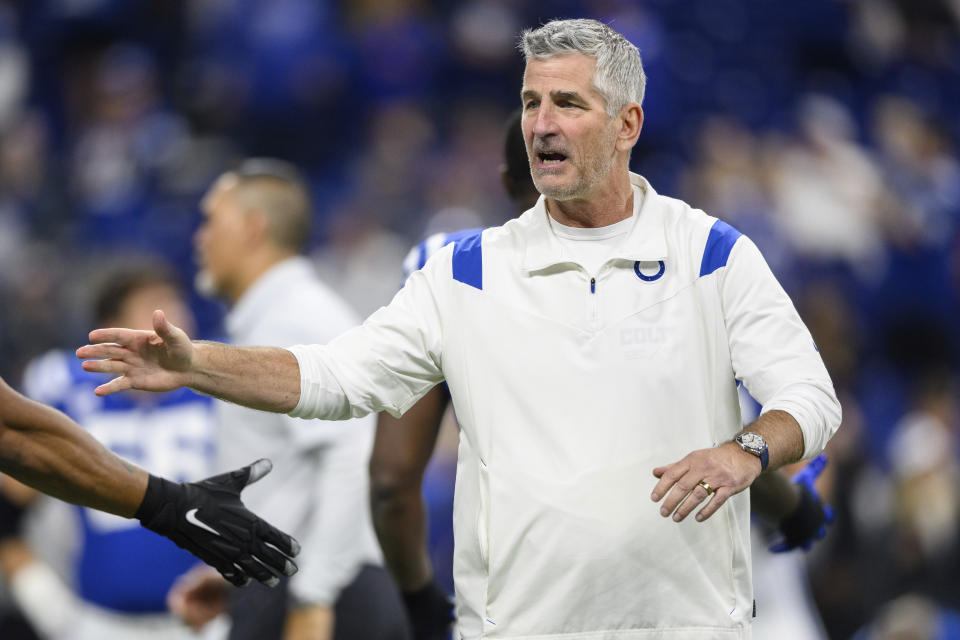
pixel 631 122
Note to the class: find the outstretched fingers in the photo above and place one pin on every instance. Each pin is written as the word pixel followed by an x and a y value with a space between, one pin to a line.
pixel 256 569
pixel 270 556
pixel 106 350
pixel 258 469
pixel 117 367
pixel 123 337
pixel 121 383
pixel 285 544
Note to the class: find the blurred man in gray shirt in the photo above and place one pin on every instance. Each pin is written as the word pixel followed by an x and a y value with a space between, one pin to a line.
pixel 256 223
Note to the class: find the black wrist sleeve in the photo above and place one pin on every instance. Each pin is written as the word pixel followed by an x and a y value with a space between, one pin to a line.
pixel 430 611
pixel 805 522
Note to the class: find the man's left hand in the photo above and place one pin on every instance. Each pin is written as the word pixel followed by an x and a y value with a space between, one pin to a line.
pixel 716 473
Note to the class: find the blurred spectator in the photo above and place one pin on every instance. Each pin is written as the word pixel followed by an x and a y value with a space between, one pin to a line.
pixel 13 68
pixel 912 617
pixel 361 258
pixel 827 192
pixel 923 171
pixel 128 139
pixel 925 458
pixel 728 178
pixel 398 49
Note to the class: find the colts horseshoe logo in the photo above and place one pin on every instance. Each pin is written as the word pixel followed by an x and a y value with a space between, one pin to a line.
pixel 645 278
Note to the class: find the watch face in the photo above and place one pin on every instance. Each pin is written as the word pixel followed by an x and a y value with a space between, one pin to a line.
pixel 752 441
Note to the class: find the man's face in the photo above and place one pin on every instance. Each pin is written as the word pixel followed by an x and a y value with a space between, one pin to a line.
pixel 570 139
pixel 220 240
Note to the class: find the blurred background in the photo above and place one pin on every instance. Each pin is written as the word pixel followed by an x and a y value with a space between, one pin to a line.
pixel 826 130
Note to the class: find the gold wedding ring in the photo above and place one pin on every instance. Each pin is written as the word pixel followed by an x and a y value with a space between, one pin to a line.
pixel 706 486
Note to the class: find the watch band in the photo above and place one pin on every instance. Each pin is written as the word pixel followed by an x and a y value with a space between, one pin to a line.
pixel 764 459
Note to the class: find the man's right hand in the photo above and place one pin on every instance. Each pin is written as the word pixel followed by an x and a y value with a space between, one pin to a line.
pixel 208 519
pixel 158 360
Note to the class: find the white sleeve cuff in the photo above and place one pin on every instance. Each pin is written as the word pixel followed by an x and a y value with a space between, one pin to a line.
pixel 320 395
pixel 816 410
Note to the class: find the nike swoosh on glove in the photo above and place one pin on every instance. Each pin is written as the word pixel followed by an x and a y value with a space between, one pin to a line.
pixel 808 522
pixel 208 519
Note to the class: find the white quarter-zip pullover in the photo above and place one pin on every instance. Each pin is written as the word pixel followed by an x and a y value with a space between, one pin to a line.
pixel 570 388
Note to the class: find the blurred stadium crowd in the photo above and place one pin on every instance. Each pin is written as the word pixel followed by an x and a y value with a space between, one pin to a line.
pixel 826 130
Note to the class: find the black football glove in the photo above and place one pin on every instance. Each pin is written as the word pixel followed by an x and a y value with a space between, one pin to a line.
pixel 808 522
pixel 208 519
pixel 430 611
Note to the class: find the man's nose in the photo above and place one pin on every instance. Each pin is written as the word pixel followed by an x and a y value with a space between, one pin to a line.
pixel 545 123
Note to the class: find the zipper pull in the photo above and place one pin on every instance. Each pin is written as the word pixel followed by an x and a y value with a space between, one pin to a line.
pixel 593 285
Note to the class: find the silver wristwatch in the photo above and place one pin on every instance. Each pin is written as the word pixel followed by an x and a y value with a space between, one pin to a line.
pixel 753 443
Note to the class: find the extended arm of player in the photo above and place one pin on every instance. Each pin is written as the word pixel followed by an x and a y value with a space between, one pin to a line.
pixel 43 448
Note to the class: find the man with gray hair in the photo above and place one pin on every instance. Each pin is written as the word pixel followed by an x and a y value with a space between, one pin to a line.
pixel 592 349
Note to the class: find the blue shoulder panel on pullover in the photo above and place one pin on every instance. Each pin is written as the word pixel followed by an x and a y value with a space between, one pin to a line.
pixel 719 244
pixel 468 259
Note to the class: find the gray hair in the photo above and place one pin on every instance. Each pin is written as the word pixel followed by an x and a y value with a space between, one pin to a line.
pixel 619 75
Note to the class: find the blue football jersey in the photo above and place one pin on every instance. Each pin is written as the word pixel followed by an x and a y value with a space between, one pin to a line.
pixel 120 565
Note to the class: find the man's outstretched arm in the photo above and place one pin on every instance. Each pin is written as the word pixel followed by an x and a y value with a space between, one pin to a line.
pixel 43 448
pixel 265 378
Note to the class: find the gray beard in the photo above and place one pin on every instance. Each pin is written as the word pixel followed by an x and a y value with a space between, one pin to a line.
pixel 596 172
pixel 563 193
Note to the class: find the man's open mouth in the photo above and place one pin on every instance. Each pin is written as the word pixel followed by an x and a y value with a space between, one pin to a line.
pixel 550 159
